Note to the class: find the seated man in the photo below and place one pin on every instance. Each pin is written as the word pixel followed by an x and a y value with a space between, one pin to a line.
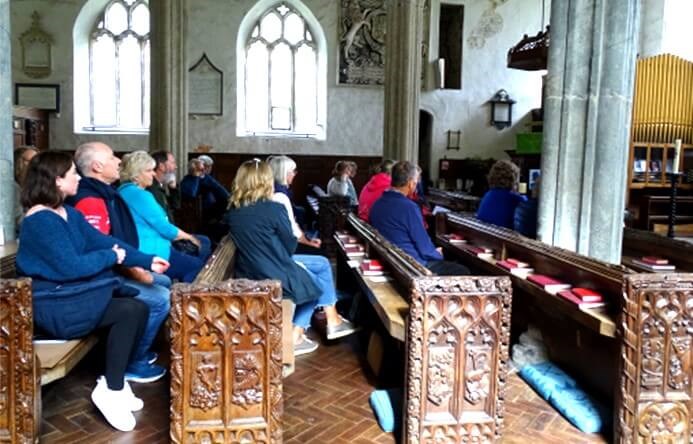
pixel 164 186
pixel 199 182
pixel 399 220
pixel 106 211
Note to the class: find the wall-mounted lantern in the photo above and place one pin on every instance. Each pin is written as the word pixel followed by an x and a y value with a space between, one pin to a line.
pixel 501 109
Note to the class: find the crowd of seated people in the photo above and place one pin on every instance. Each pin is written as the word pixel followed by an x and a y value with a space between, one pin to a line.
pixel 119 240
pixel 74 284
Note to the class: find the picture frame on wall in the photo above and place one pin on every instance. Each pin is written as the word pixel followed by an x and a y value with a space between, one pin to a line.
pixel 534 175
pixel 38 95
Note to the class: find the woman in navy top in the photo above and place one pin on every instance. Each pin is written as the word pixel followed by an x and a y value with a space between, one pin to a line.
pixel 73 283
pixel 265 244
pixel 498 204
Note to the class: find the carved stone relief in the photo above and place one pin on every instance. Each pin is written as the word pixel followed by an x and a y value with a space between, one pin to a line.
pixel 362 42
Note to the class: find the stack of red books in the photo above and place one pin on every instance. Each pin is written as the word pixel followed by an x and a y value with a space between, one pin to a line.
pixel 371 267
pixel 549 284
pixel 516 267
pixel 654 263
pixel 480 252
pixel 583 297
pixel 354 250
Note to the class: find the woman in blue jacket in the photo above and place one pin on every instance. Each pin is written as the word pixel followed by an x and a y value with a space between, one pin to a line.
pixel 73 283
pixel 265 243
pixel 154 229
pixel 498 204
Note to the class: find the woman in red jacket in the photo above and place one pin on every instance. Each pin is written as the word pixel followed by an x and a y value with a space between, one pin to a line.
pixel 375 188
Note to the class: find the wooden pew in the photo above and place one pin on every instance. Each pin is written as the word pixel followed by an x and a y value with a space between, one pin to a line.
pixel 456 333
pixel 229 339
pixel 20 388
pixel 623 353
pixel 330 212
pixel 640 243
pixel 452 200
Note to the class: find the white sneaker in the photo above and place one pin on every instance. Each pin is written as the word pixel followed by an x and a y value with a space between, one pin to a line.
pixel 135 404
pixel 114 405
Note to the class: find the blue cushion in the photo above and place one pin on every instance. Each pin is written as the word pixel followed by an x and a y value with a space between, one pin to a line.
pixel 387 407
pixel 580 409
pixel 546 378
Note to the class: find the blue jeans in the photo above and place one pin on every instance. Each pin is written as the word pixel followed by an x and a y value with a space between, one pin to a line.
pixel 158 299
pixel 320 270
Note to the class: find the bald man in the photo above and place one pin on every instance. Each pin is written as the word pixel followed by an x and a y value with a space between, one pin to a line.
pixel 106 211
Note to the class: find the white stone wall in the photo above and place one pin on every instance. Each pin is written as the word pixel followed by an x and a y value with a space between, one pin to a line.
pixel 354 114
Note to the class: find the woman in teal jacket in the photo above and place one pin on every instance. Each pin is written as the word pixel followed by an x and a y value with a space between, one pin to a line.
pixel 154 229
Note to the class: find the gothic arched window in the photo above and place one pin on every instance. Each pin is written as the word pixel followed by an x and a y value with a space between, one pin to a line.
pixel 119 83
pixel 281 86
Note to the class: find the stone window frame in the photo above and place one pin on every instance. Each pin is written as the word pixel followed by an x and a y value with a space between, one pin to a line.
pixel 245 39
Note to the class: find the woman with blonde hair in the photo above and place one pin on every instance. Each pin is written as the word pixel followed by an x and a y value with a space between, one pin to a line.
pixel 154 229
pixel 265 244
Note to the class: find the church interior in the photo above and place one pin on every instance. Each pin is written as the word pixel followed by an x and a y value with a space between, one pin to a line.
pixel 523 272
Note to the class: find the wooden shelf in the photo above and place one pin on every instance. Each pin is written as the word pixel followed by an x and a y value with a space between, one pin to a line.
pixel 593 319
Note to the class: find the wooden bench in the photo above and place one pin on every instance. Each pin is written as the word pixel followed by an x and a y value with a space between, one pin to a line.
pixel 452 200
pixel 56 358
pixel 230 340
pixel 455 332
pixel 625 353
pixel 640 243
pixel 330 212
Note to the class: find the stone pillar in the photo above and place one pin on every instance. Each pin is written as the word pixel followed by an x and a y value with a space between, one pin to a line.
pixel 402 79
pixel 6 141
pixel 169 69
pixel 588 102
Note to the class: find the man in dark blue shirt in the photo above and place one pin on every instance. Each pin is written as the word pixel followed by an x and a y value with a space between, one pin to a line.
pixel 399 220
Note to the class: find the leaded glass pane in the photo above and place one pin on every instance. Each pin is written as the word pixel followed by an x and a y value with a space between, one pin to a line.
pixel 271 27
pixel 103 81
pixel 306 89
pixel 140 19
pixel 117 18
pixel 147 86
pixel 293 28
pixel 281 118
pixel 129 67
pixel 256 81
pixel 281 76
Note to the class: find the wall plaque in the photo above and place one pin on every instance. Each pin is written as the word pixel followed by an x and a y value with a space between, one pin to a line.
pixel 362 26
pixel 39 96
pixel 205 89
pixel 36 49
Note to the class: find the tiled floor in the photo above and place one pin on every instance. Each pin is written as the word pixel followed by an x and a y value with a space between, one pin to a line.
pixel 325 401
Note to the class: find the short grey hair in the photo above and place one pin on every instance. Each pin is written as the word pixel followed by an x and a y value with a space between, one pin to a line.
pixel 85 155
pixel 205 159
pixel 281 166
pixel 134 163
pixel 404 171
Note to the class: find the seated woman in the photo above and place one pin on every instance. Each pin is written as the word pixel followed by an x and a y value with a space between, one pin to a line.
pixel 284 170
pixel 154 229
pixel 498 204
pixel 376 186
pixel 340 181
pixel 71 266
pixel 261 231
